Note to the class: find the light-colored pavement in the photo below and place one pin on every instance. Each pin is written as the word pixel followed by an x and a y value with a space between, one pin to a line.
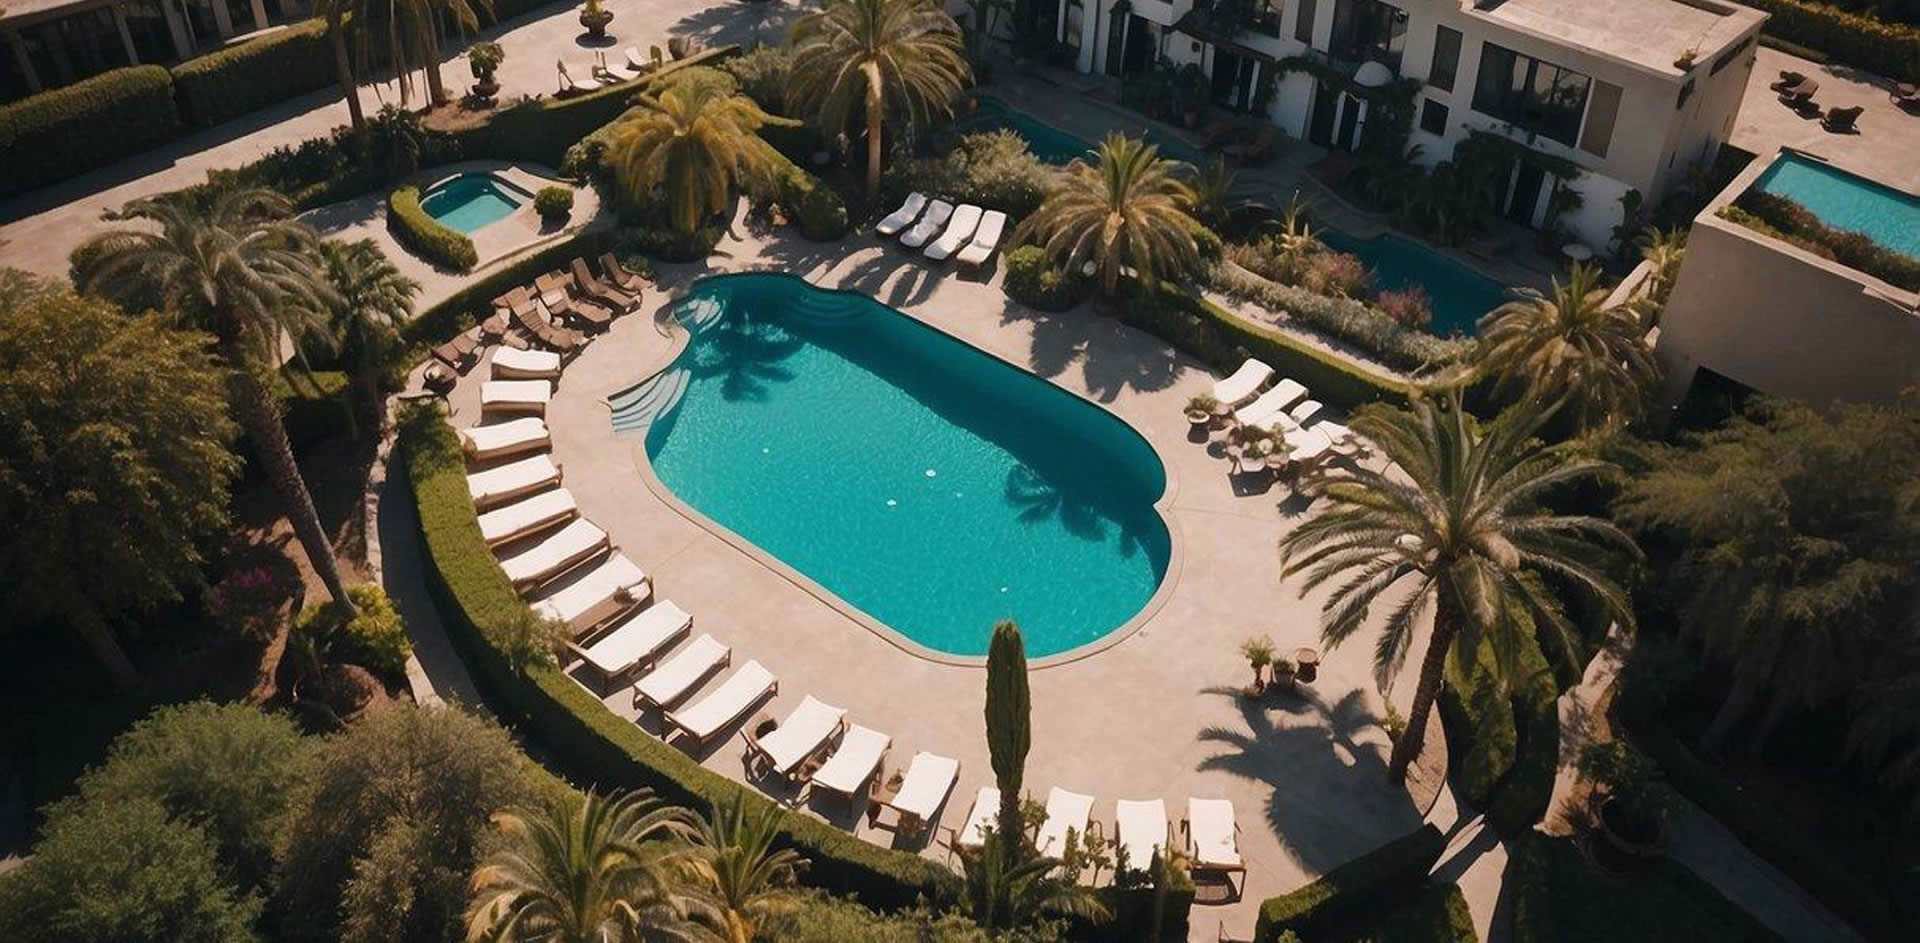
pixel 1887 140
pixel 1157 715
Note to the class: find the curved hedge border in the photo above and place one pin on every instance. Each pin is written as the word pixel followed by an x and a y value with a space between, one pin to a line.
pixel 1374 881
pixel 581 736
pixel 224 85
pixel 61 133
pixel 424 235
pixel 1891 49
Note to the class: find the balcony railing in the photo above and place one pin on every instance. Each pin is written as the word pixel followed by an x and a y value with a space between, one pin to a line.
pixel 1230 17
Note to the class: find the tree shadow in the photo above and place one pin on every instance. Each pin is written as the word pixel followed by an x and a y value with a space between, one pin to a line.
pixel 1330 799
pixel 337 217
pixel 1038 500
pixel 1114 357
pixel 746 355
pixel 751 24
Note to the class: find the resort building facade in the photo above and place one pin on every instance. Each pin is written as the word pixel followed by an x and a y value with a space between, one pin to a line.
pixel 1754 311
pixel 1598 98
pixel 51 43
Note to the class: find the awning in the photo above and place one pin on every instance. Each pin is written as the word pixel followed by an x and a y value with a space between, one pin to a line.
pixel 1200 26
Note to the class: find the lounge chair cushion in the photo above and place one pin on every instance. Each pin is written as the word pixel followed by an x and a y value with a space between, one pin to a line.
pixel 1065 811
pixel 927 781
pixel 505 438
pixel 1272 403
pixel 965 220
pixel 854 761
pixel 637 638
pixel 527 515
pixel 801 734
pixel 938 212
pixel 898 219
pixel 616 580
pixel 1210 824
pixel 564 548
pixel 672 679
pixel 498 484
pixel 516 394
pixel 719 709
pixel 985 239
pixel 513 363
pixel 986 805
pixel 1245 382
pixel 1141 828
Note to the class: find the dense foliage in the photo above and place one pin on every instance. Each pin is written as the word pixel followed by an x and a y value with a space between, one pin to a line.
pixel 425 236
pixel 1125 212
pixel 1570 347
pixel 1888 48
pixel 1039 284
pixel 1783 218
pixel 57 134
pixel 994 170
pixel 1344 319
pixel 1351 891
pixel 373 635
pixel 262 71
pixel 692 148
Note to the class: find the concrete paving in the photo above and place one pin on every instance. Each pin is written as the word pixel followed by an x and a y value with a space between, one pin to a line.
pixel 1886 140
pixel 1157 715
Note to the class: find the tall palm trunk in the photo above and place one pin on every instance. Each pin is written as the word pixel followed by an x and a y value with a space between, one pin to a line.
pixel 343 70
pixel 1433 670
pixel 99 637
pixel 876 114
pixel 259 415
pixel 436 88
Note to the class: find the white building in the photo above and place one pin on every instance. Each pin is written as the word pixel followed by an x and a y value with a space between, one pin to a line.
pixel 58 42
pixel 1634 92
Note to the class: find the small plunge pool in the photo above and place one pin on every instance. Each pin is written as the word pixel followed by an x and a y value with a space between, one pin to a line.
pixel 471 202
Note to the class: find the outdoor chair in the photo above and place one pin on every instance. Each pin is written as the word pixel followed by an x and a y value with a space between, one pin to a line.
pixel 505 438
pixel 592 287
pixel 923 789
pixel 1840 120
pixel 899 219
pixel 499 485
pixel 786 750
pixel 1212 845
pixel 527 516
pixel 1788 79
pixel 674 678
pixel 555 554
pixel 1906 95
pixel 621 278
pixel 853 762
pixel 614 586
pixel 529 396
pixel 1245 382
pixel 714 714
pixel 510 363
pixel 1140 830
pixel 458 353
pixel 639 638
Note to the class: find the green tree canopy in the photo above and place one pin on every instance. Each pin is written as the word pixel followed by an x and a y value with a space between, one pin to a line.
pixel 114 461
pixel 1571 345
pixel 694 144
pixel 1127 209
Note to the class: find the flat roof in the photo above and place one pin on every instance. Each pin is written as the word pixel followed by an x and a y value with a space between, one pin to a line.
pixel 1651 34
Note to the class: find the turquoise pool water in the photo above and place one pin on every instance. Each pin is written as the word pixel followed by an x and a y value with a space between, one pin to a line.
pixel 934 487
pixel 1844 201
pixel 470 202
pixel 1460 295
pixel 1055 146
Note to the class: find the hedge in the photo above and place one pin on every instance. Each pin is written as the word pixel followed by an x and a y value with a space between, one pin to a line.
pixel 574 729
pixel 473 303
pixel 1522 798
pixel 314 407
pixel 225 85
pixel 1787 219
pixel 49 137
pixel 1348 892
pixel 1344 319
pixel 1891 49
pixel 814 207
pixel 1559 896
pixel 1033 282
pixel 426 236
pixel 1436 913
pixel 1206 331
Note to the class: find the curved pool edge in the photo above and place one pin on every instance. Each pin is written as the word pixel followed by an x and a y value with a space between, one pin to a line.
pixel 1162 506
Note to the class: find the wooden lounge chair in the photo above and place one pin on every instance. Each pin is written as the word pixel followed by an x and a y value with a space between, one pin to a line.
pixel 527 516
pixel 621 278
pixel 637 639
pixel 555 554
pixel 803 734
pixel 557 295
pixel 923 789
pixel 673 679
pixel 458 353
pixel 1066 811
pixel 521 396
pixel 612 588
pixel 1840 120
pixel 717 712
pixel 1211 844
pixel 1799 95
pixel 497 486
pixel 592 287
pixel 502 439
pixel 569 87
pixel 853 762
pixel 1140 830
pixel 557 339
pixel 511 363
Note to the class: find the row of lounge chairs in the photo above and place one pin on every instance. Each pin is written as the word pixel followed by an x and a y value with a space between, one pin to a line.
pixel 1796 92
pixel 1259 398
pixel 538 314
pixel 600 74
pixel 967 234
pixel 1141 829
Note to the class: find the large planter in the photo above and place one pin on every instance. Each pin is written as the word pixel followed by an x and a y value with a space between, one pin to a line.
pixel 596 22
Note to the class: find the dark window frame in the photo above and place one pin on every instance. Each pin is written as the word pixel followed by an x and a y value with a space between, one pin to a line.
pixel 1439 113
pixel 1445 79
pixel 1522 90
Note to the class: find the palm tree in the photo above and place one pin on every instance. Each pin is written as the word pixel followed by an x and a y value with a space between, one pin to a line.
pixel 749 880
pixel 374 297
pixel 241 270
pixel 576 872
pixel 344 17
pixel 1129 209
pixel 1666 249
pixel 1462 520
pixel 696 144
pixel 1004 892
pixel 876 57
pixel 413 34
pixel 1571 345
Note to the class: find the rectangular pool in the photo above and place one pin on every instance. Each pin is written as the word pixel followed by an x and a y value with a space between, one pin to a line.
pixel 1460 295
pixel 471 202
pixel 1844 201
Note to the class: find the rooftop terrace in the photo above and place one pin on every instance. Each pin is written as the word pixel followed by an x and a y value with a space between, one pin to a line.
pixel 1650 34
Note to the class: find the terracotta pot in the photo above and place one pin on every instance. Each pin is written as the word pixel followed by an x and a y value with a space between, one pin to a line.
pixel 596 23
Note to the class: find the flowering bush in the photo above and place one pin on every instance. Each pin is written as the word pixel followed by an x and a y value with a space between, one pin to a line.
pixel 1337 273
pixel 1411 306
pixel 246 602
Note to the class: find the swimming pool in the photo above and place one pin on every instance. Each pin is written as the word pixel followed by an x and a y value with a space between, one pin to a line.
pixel 1844 201
pixel 471 202
pixel 1460 295
pixel 929 485
pixel 1055 146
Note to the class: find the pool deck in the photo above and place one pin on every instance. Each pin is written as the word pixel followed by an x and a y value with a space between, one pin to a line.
pixel 1156 715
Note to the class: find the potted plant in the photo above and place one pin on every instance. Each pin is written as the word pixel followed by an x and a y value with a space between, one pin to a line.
pixel 1631 802
pixel 1201 408
pixel 554 203
pixel 1686 59
pixel 1283 672
pixel 595 18
pixel 1258 651
pixel 484 58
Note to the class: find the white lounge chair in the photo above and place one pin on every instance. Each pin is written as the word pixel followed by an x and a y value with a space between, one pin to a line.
pixel 986 807
pixel 567 84
pixel 1304 411
pixel 1309 445
pixel 670 680
pixel 636 63
pixel 1244 383
pixel 938 212
pixel 557 553
pixel 1272 403
pixel 923 789
pixel 636 639
pixel 1211 841
pixel 985 239
pixel 801 735
pixel 515 395
pixel 506 438
pixel 527 515
pixel 853 762
pixel 512 363
pixel 1066 811
pixel 900 218
pixel 1140 829
pixel 613 586
pixel 509 481
pixel 721 709
pixel 965 220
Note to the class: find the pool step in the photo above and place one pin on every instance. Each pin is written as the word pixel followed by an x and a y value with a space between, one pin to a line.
pixel 635 409
pixel 696 313
pixel 824 307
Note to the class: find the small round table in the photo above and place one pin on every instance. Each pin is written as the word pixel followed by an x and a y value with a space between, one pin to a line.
pixel 438 378
pixel 1577 251
pixel 1306 664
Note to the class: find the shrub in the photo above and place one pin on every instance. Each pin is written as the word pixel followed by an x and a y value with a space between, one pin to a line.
pixel 425 236
pixel 813 206
pixel 763 75
pixel 375 638
pixel 573 726
pixel 1479 726
pixel 1410 307
pixel 1522 798
pixel 1436 913
pixel 1560 896
pixel 314 406
pixel 1344 319
pixel 1891 49
pixel 994 169
pixel 693 78
pixel 1036 283
pixel 62 133
pixel 1337 273
pixel 554 202
pixel 262 71
pixel 1375 879
pixel 1786 219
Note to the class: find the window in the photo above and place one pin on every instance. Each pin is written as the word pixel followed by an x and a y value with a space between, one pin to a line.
pixel 1446 58
pixel 1531 94
pixel 1368 29
pixel 1600 117
pixel 1303 22
pixel 1433 117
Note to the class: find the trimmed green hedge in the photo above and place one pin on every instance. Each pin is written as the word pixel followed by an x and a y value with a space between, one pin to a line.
pixel 267 70
pixel 1436 913
pixel 424 235
pixel 1891 49
pixel 1205 330
pixel 1559 896
pixel 1041 286
pixel 473 303
pixel 1373 880
pixel 576 731
pixel 815 209
pixel 49 137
